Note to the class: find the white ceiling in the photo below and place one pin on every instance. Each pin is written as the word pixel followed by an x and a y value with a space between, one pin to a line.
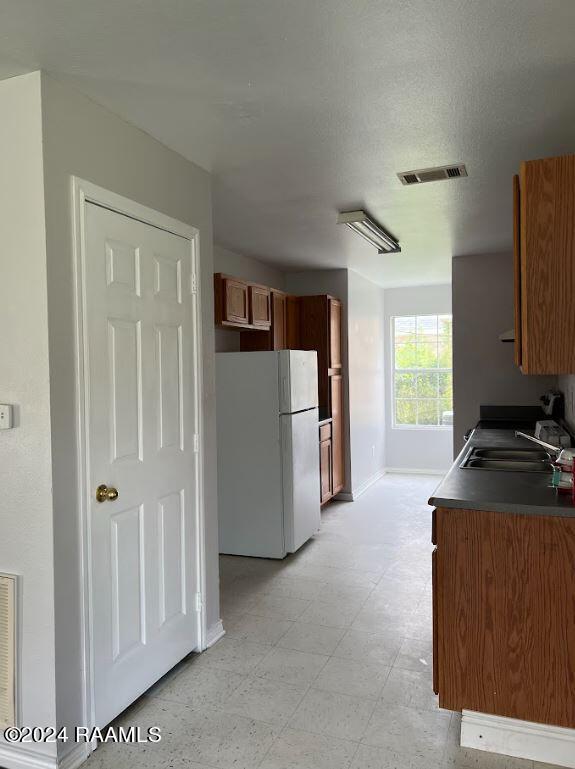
pixel 301 108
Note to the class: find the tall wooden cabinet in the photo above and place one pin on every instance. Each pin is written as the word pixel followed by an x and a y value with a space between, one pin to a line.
pixel 544 246
pixel 320 329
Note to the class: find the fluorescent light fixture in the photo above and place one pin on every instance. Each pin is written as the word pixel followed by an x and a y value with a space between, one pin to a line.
pixel 360 222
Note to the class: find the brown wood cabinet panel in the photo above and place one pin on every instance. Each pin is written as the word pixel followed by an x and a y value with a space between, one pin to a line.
pixel 517 267
pixel 435 671
pixel 336 393
pixel 293 323
pixel 334 333
pixel 272 338
pixel 325 470
pixel 231 301
pixel 279 320
pixel 325 432
pixel 505 628
pixel 260 312
pixel 314 327
pixel 547 265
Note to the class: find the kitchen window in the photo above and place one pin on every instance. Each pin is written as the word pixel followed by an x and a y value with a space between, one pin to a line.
pixel 422 384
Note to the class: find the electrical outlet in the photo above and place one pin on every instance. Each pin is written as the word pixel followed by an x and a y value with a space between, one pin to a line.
pixel 5 416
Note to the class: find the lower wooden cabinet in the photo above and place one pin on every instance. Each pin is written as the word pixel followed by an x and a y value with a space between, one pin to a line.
pixel 325 468
pixel 503 614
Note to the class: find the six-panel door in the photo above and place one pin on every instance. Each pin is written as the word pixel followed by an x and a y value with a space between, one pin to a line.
pixel 142 428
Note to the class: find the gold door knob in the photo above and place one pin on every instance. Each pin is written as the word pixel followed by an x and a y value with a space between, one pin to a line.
pixel 106 493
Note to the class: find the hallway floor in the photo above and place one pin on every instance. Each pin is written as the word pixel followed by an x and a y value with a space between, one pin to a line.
pixel 326 661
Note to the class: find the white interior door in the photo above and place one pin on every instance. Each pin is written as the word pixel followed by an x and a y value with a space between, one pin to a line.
pixel 140 315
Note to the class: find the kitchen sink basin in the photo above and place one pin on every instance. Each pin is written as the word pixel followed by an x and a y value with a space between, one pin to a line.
pixel 520 454
pixel 511 460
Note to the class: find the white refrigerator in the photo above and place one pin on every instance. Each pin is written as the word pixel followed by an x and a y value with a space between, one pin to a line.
pixel 268 451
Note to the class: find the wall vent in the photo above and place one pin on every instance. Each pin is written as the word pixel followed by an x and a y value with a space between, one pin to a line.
pixel 432 174
pixel 7 651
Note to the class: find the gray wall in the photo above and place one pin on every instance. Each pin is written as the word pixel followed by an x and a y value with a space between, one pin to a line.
pixel 83 139
pixel 26 546
pixel 412 448
pixel 366 325
pixel 484 371
pixel 245 267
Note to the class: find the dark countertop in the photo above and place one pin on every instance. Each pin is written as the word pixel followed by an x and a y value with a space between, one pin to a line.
pixel 500 490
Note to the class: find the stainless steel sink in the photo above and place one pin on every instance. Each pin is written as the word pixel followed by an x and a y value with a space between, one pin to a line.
pixel 510 460
pixel 520 454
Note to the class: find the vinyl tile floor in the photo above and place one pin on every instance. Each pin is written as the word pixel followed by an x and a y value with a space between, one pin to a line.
pixel 326 661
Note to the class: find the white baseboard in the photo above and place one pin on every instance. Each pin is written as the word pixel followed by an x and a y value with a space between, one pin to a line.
pixel 76 756
pixel 215 632
pixel 356 493
pixel 521 739
pixel 16 756
pixel 414 471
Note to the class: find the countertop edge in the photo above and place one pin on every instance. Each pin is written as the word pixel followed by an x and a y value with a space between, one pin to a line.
pixel 501 507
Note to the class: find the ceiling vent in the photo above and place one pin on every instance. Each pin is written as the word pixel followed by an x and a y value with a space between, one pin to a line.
pixel 432 174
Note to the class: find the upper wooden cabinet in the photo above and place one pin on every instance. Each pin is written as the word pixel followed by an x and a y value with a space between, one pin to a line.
pixel 239 304
pixel 231 301
pixel 544 245
pixel 260 311
pixel 334 333
pixel 277 336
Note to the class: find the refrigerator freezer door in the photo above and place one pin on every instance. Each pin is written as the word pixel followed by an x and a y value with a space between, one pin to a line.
pixel 297 380
pixel 300 470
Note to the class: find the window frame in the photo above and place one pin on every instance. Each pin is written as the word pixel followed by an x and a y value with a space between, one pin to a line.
pixel 394 370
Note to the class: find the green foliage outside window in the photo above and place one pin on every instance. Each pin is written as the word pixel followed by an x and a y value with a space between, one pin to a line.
pixel 423 379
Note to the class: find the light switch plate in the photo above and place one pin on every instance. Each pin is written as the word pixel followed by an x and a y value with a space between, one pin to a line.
pixel 5 416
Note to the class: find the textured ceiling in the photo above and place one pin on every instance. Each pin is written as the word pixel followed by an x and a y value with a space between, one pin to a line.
pixel 307 107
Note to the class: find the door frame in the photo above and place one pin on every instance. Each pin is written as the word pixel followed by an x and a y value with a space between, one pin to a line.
pixel 84 192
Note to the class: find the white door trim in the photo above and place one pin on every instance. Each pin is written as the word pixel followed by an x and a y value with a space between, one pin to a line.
pixel 84 192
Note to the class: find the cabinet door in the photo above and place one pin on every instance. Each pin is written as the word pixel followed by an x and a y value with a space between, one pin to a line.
pixel 334 334
pixel 279 330
pixel 293 340
pixel 236 302
pixel 336 398
pixel 547 243
pixel 517 267
pixel 260 306
pixel 434 588
pixel 325 470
